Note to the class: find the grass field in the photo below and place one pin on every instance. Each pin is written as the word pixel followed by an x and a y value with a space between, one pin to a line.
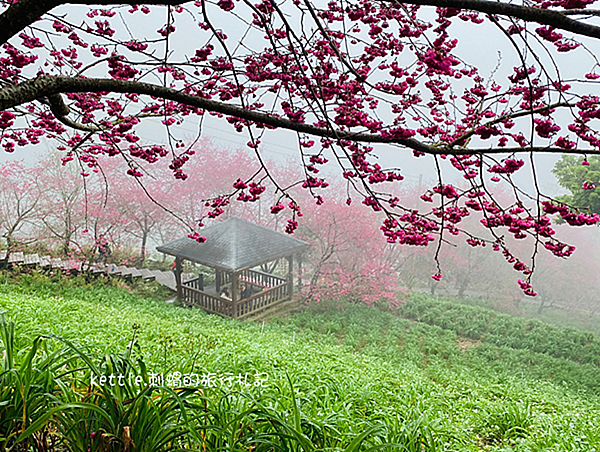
pixel 570 318
pixel 433 376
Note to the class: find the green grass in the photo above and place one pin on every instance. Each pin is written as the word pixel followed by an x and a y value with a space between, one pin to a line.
pixel 340 377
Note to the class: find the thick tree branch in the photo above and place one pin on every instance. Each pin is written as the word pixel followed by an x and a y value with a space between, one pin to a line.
pixel 581 12
pixel 49 86
pixel 128 2
pixel 542 16
pixel 24 13
pixel 46 86
pixel 60 110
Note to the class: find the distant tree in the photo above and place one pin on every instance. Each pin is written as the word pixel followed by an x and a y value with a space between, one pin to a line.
pixel 139 211
pixel 19 199
pixel 210 169
pixel 581 176
pixel 347 258
pixel 62 211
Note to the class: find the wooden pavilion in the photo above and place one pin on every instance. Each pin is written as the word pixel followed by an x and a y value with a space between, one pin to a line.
pixel 233 249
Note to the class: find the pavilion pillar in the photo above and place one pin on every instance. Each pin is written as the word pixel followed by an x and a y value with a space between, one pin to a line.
pixel 290 276
pixel 235 293
pixel 218 281
pixel 178 271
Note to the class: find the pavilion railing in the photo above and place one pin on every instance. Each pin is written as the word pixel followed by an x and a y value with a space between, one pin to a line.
pixel 261 279
pixel 196 283
pixel 209 303
pixel 262 300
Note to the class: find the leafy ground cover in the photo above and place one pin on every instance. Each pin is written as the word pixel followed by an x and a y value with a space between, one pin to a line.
pixel 503 329
pixel 578 319
pixel 336 377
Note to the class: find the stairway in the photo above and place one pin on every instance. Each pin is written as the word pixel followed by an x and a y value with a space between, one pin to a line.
pixel 164 278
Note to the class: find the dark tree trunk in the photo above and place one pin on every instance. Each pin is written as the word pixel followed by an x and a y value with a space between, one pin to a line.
pixel 143 249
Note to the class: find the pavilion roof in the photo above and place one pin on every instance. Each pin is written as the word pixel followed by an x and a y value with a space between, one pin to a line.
pixel 235 245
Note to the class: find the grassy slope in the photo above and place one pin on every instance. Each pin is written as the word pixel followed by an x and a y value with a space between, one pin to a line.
pixel 571 318
pixel 351 365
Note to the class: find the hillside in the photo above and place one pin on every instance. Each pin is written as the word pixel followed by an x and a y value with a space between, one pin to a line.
pixel 429 377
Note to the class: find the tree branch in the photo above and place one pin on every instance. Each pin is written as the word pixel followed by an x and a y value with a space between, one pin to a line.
pixel 24 13
pixel 60 110
pixel 555 19
pixel 49 86
pixel 509 116
pixel 581 12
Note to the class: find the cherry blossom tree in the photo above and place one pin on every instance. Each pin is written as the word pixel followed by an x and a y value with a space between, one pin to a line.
pixel 210 171
pixel 343 76
pixel 137 211
pixel 61 212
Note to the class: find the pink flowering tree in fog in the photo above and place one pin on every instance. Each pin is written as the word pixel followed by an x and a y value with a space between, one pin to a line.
pixel 210 172
pixel 134 213
pixel 62 210
pixel 347 258
pixel 342 76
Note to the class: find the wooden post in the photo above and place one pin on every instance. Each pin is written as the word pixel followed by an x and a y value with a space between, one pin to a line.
pixel 235 294
pixel 218 281
pixel 178 271
pixel 290 276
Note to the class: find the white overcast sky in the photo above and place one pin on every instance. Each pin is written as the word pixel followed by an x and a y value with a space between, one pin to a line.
pixel 477 44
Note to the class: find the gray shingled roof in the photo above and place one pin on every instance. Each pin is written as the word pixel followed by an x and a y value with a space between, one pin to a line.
pixel 235 245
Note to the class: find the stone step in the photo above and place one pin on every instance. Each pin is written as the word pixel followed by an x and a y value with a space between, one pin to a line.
pixel 113 269
pixel 44 261
pixel 96 269
pixel 165 278
pixel 147 274
pixel 116 270
pixel 31 259
pixel 3 255
pixel 16 258
pixel 125 271
pixel 135 272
